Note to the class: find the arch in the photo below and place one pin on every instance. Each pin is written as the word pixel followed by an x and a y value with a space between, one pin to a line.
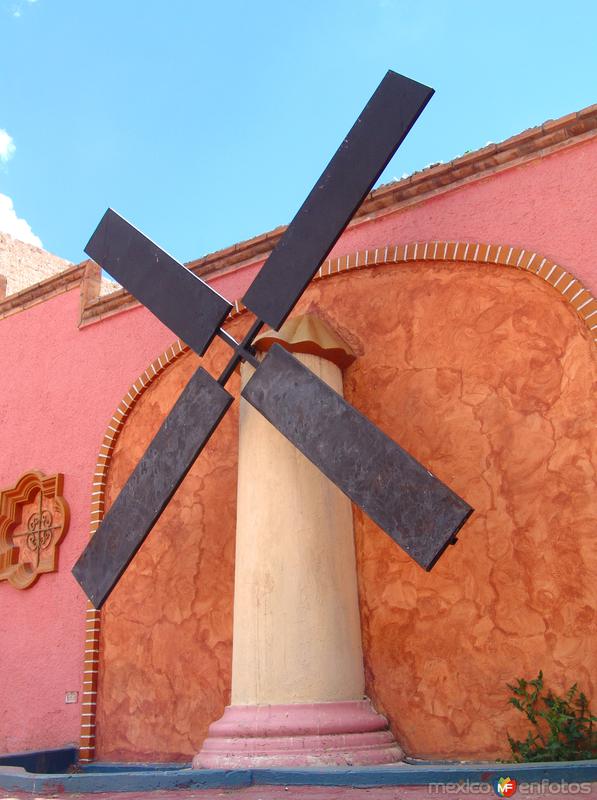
pixel 93 616
pixel 569 288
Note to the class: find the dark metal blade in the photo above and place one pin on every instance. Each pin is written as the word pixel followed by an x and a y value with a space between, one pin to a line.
pixel 416 509
pixel 165 463
pixel 349 177
pixel 181 300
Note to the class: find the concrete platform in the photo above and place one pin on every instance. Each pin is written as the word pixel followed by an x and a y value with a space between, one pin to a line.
pixel 414 780
pixel 305 793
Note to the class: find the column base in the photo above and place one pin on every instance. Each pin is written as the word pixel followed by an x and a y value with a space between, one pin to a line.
pixel 343 733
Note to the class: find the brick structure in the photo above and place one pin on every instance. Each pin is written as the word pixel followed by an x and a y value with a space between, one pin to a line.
pixel 23 265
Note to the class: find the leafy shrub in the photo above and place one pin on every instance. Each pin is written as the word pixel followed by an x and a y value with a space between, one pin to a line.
pixel 563 726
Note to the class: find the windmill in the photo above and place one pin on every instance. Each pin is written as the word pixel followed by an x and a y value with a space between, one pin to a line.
pixel 419 512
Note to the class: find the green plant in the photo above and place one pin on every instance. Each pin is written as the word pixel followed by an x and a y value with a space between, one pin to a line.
pixel 563 726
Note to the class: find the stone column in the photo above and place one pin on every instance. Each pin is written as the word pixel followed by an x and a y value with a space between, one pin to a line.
pixel 297 665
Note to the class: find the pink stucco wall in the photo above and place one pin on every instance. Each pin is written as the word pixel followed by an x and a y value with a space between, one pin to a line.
pixel 59 388
pixel 60 385
pixel 547 205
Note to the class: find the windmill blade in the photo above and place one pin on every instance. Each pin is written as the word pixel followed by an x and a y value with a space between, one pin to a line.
pixel 349 177
pixel 180 299
pixel 416 509
pixel 182 436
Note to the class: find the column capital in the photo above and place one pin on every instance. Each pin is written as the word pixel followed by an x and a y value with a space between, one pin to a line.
pixel 308 333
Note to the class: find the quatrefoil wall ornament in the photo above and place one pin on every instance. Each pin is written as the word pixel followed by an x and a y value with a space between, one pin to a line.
pixel 34 517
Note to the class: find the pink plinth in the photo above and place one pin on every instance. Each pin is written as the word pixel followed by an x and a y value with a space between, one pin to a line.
pixel 298 735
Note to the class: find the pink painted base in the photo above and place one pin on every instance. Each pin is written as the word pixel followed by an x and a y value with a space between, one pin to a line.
pixel 298 735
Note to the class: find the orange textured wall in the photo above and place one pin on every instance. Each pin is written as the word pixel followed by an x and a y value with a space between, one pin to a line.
pixel 166 644
pixel 485 375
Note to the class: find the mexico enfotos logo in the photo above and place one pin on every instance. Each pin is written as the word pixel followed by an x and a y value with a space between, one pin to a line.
pixel 505 786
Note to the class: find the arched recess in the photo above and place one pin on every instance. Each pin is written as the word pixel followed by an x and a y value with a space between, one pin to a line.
pixel 442 253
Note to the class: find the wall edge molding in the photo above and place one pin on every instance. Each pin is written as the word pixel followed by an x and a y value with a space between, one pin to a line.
pixel 530 145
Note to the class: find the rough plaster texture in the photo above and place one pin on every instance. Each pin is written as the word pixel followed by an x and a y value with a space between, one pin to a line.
pixel 167 628
pixel 63 384
pixel 489 380
pixel 486 376
pixel 297 636
pixel 24 264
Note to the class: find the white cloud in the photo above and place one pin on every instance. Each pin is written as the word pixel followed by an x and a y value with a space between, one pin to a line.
pixel 7 146
pixel 17 8
pixel 17 227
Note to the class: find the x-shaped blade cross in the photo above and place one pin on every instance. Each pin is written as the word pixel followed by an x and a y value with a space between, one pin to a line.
pixel 416 509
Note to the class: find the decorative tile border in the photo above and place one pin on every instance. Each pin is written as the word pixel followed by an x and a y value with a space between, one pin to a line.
pixel 93 617
pixel 481 253
pixel 568 287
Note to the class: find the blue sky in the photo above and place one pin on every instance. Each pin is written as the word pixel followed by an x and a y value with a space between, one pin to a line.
pixel 207 123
